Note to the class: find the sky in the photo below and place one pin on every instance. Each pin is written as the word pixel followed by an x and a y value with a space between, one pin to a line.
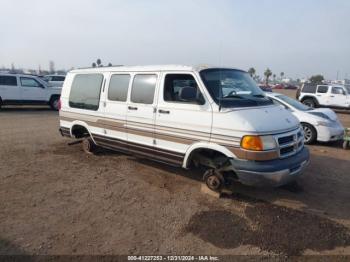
pixel 299 37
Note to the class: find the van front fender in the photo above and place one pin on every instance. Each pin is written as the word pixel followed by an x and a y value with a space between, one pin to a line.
pixel 201 145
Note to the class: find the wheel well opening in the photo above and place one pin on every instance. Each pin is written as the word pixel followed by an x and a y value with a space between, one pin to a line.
pixel 79 131
pixel 309 97
pixel 206 157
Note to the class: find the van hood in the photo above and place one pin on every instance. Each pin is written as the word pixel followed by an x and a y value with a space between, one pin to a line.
pixel 269 120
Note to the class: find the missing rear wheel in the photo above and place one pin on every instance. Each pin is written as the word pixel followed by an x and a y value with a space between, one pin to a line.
pixel 89 146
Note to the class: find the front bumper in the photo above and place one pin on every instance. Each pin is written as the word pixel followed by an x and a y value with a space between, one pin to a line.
pixel 271 173
pixel 326 134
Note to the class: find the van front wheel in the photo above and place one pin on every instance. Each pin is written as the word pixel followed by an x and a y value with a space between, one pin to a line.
pixel 89 146
pixel 214 180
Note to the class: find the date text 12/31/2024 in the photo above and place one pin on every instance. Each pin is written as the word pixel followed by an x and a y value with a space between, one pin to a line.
pixel 173 258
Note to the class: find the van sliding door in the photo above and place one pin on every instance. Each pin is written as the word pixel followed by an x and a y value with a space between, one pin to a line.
pixel 140 116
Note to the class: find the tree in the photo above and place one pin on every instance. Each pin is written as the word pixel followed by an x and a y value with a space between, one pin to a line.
pixel 274 78
pixel 98 62
pixel 267 74
pixel 110 64
pixel 93 64
pixel 316 79
pixel 282 75
pixel 252 71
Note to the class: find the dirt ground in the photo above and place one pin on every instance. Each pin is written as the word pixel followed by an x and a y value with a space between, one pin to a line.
pixel 57 200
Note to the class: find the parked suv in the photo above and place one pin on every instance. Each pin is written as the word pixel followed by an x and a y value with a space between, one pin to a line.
pixel 333 96
pixel 18 89
pixel 216 118
pixel 55 80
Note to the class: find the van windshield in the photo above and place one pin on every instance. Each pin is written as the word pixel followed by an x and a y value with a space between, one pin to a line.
pixel 233 88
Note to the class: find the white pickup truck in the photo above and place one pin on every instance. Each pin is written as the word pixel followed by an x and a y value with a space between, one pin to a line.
pixel 333 96
pixel 20 89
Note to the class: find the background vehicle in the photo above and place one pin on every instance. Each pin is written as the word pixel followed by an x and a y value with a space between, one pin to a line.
pixel 318 124
pixel 265 88
pixel 291 87
pixel 324 96
pixel 55 80
pixel 278 86
pixel 19 89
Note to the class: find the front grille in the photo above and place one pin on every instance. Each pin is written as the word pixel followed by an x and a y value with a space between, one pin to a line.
pixel 285 140
pixel 286 150
pixel 290 143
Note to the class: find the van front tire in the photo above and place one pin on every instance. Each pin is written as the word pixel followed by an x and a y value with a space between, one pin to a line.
pixel 89 146
pixel 214 180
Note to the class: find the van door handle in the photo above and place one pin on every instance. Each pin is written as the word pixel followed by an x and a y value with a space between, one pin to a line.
pixel 163 111
pixel 332 96
pixel 132 108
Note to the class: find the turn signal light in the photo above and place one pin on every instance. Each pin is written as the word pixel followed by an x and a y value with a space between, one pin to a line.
pixel 252 143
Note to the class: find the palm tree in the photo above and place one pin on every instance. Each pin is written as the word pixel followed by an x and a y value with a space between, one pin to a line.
pixel 282 75
pixel 252 71
pixel 267 74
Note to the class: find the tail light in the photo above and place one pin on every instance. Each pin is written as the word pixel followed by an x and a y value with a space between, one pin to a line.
pixel 59 104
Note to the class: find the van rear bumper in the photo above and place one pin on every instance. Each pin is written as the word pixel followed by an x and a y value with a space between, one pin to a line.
pixel 273 172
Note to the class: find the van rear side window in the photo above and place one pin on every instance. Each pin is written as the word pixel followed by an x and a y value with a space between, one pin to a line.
pixel 118 87
pixel 85 91
pixel 143 89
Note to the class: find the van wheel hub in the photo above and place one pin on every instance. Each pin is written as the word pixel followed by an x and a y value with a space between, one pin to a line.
pixel 213 180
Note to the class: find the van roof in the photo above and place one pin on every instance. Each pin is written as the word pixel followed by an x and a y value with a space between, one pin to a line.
pixel 145 68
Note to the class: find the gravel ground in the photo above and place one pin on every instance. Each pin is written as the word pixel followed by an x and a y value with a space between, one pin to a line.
pixel 57 200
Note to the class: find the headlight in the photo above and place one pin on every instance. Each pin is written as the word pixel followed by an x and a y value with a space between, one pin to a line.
pixel 324 123
pixel 258 143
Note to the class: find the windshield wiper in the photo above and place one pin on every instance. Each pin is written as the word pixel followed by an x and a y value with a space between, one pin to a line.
pixel 233 96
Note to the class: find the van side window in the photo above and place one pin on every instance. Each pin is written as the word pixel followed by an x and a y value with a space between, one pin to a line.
pixel 322 89
pixel 29 82
pixel 143 88
pixel 85 91
pixel 175 85
pixel 118 87
pixel 8 81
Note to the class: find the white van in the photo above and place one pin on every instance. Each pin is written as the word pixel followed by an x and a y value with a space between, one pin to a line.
pixel 213 117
